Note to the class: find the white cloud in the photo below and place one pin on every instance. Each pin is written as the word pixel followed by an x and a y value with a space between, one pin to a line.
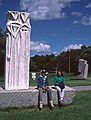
pixel 45 9
pixel 76 13
pixel 88 6
pixel 72 46
pixel 39 46
pixel 75 22
pixel 86 20
pixel 55 53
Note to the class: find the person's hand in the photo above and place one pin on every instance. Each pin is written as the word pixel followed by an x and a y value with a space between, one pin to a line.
pixel 45 88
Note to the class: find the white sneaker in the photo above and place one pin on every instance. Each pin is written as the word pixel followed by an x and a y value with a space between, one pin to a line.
pixel 51 104
pixel 61 99
pixel 40 105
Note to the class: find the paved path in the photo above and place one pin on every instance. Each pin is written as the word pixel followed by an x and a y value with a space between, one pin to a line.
pixel 82 88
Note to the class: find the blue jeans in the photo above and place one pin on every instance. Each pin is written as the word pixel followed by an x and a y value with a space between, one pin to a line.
pixel 41 90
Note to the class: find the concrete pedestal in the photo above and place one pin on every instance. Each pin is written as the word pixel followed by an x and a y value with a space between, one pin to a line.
pixel 27 98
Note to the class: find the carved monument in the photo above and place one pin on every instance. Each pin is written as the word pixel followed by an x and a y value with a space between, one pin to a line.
pixel 17 50
pixel 83 69
pixel 17 67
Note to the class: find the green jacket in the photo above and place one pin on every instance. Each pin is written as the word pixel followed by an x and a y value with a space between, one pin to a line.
pixel 58 80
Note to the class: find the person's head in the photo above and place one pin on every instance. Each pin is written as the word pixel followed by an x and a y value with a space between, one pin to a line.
pixel 43 72
pixel 60 73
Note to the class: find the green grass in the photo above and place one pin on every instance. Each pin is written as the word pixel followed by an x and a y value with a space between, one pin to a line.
pixel 80 109
pixel 68 80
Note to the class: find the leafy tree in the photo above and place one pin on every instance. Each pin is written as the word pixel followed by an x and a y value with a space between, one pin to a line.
pixel 52 62
pixel 2 51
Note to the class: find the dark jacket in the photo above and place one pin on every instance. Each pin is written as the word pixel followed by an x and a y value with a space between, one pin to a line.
pixel 42 81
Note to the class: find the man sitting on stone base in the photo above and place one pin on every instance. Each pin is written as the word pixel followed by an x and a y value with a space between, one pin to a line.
pixel 43 88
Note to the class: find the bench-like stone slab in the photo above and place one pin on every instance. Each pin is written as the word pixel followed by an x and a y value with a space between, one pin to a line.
pixel 68 98
pixel 27 98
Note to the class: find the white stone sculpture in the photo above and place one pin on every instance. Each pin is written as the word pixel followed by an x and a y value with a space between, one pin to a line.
pixel 17 50
pixel 33 75
pixel 83 69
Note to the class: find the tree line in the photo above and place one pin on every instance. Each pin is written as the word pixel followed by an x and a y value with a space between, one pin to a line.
pixel 2 51
pixel 51 62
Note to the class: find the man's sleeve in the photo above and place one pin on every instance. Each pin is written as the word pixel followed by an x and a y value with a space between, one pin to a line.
pixel 39 84
pixel 47 83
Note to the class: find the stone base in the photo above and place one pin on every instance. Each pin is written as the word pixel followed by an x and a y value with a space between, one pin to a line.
pixel 29 98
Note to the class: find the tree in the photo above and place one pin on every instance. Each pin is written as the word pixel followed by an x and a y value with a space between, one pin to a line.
pixel 52 62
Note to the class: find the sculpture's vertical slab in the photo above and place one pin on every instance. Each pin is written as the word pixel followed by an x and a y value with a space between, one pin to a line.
pixel 17 50
pixel 83 69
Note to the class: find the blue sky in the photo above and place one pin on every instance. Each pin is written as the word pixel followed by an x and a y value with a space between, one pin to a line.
pixel 57 25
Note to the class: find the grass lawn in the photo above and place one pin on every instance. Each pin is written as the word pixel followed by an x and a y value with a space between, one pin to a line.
pixel 68 80
pixel 80 109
